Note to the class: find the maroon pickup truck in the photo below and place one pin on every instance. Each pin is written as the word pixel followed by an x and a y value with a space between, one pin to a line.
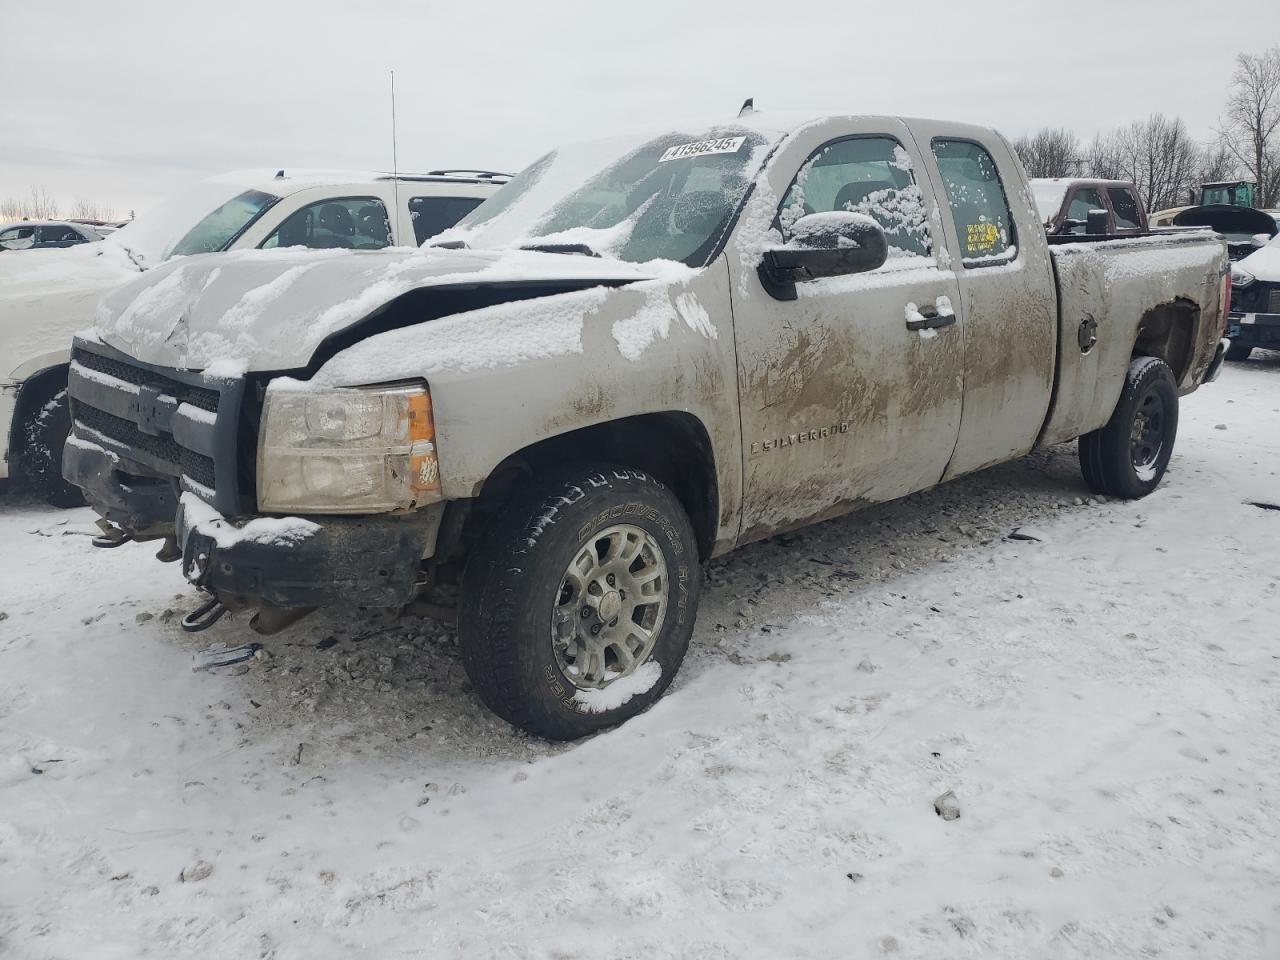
pixel 1065 203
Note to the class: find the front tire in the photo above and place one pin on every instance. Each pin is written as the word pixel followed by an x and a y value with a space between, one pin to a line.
pixel 44 433
pixel 1237 352
pixel 577 607
pixel 1128 457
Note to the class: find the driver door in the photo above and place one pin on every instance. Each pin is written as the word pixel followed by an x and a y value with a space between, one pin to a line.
pixel 842 402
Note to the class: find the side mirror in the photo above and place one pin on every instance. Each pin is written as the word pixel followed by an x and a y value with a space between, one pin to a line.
pixel 1260 240
pixel 823 245
pixel 1096 225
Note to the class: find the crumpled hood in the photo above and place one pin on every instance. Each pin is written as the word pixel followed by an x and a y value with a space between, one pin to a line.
pixel 228 313
pixel 1263 264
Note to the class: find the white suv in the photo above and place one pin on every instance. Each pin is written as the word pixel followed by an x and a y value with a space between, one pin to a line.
pixel 46 299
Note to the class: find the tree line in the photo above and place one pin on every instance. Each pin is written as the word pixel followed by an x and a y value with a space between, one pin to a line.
pixel 1161 156
pixel 39 204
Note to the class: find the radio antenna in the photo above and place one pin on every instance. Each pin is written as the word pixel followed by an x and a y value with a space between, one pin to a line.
pixel 395 161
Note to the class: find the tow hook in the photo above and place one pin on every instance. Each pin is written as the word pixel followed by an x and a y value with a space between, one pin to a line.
pixel 111 536
pixel 204 616
pixel 169 550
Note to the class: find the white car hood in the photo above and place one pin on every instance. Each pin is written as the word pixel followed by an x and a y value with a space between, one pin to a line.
pixel 1263 264
pixel 270 309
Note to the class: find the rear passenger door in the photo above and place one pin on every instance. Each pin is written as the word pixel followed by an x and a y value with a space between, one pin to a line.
pixel 843 399
pixel 1006 289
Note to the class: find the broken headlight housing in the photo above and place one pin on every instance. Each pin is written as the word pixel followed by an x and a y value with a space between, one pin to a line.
pixel 346 449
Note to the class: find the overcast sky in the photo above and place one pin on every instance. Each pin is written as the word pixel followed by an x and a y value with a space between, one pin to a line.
pixel 126 102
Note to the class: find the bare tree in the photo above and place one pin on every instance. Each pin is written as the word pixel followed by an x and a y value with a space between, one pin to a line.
pixel 1250 127
pixel 1049 152
pixel 1158 154
pixel 84 209
pixel 38 204
pixel 1217 163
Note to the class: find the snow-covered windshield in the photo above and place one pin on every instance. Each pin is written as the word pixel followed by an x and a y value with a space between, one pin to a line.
pixel 1049 194
pixel 154 236
pixel 669 197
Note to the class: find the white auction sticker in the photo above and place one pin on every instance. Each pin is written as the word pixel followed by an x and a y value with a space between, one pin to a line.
pixel 700 148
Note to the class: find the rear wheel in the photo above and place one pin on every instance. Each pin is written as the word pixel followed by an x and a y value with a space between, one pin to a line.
pixel 577 607
pixel 44 432
pixel 1128 457
pixel 1238 351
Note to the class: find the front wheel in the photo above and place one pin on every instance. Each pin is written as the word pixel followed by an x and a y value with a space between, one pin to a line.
pixel 44 435
pixel 1128 457
pixel 577 607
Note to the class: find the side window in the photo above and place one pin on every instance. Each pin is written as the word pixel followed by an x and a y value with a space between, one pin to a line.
pixel 1086 199
pixel 432 215
pixel 17 238
pixel 57 234
pixel 350 223
pixel 1125 205
pixel 870 175
pixel 979 207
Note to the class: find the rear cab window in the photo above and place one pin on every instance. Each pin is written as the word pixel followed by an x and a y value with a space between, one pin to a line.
pixel 871 175
pixel 979 205
pixel 1125 206
pixel 433 215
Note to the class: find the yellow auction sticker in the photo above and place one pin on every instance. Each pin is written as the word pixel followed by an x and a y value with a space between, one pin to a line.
pixel 981 237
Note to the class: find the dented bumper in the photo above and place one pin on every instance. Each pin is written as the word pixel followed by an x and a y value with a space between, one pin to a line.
pixel 306 562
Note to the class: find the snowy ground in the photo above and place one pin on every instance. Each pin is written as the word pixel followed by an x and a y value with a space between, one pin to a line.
pixel 1103 703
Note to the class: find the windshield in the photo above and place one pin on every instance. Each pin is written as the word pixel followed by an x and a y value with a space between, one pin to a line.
pixel 670 197
pixel 1048 195
pixel 155 234
pixel 219 228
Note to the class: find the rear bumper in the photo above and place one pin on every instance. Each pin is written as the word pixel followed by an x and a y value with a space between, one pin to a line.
pixel 372 561
pixel 1254 329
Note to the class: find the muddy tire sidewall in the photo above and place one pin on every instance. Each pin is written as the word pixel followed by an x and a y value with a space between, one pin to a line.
pixel 511 583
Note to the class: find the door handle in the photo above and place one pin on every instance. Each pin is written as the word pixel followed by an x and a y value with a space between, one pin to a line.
pixel 928 318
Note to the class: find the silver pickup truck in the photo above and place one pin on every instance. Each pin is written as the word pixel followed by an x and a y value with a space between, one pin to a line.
pixel 636 356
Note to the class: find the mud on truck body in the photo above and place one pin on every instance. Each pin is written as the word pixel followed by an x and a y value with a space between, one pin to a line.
pixel 636 356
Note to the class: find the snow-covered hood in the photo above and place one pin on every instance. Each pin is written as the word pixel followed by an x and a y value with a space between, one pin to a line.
pixel 1263 264
pixel 229 313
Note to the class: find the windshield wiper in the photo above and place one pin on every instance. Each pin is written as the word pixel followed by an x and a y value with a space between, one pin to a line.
pixel 578 248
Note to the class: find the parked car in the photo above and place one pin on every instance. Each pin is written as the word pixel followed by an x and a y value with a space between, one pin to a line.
pixel 46 234
pixel 1244 228
pixel 1065 204
pixel 638 355
pixel 1255 302
pixel 46 299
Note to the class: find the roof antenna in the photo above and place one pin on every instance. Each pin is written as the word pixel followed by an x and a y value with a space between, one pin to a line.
pixel 748 106
pixel 279 174
pixel 395 163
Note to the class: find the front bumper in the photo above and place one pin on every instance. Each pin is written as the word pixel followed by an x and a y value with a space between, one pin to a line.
pixel 1254 329
pixel 372 561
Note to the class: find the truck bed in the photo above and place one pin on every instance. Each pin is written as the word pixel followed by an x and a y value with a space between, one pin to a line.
pixel 1162 291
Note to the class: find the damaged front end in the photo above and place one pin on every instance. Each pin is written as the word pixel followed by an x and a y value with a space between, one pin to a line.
pixel 167 455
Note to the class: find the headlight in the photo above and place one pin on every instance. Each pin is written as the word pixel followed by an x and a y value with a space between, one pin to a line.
pixel 346 450
pixel 1240 278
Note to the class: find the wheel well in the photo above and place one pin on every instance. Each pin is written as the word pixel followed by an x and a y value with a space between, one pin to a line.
pixel 35 390
pixel 672 446
pixel 1167 331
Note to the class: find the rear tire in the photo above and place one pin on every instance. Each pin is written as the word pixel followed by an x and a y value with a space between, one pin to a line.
pixel 44 433
pixel 549 638
pixel 1237 352
pixel 1128 457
